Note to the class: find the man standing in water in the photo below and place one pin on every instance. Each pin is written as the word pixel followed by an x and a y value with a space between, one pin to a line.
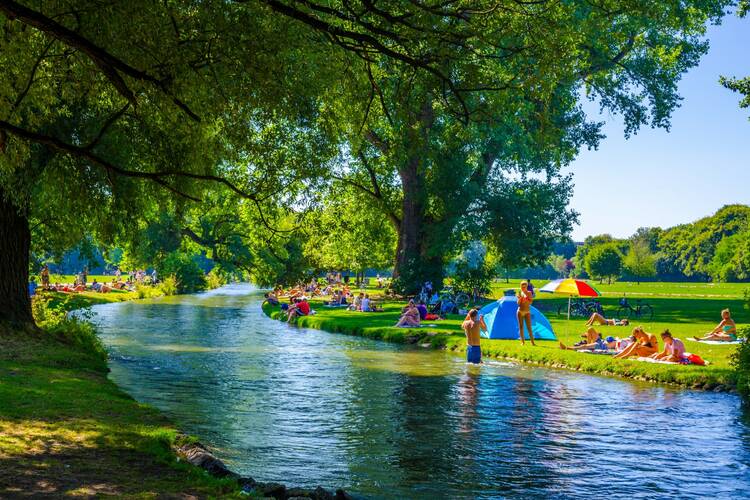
pixel 471 326
pixel 525 298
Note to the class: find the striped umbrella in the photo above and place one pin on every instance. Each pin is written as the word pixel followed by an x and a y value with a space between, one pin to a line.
pixel 570 287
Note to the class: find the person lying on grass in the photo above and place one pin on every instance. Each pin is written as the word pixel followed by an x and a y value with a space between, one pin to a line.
pixel 726 331
pixel 410 317
pixel 597 318
pixel 674 349
pixel 593 342
pixel 644 345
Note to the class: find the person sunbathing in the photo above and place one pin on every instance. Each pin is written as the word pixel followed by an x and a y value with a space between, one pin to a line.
pixel 410 317
pixel 674 349
pixel 593 342
pixel 725 331
pixel 644 346
pixel 597 318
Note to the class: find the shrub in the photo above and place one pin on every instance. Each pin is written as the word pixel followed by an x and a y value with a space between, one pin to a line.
pixel 74 330
pixel 214 279
pixel 147 291
pixel 169 285
pixel 741 361
pixel 188 273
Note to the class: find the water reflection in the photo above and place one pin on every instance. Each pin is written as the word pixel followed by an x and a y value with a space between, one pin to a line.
pixel 309 408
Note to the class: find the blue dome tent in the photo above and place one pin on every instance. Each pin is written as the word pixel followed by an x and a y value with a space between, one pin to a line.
pixel 502 323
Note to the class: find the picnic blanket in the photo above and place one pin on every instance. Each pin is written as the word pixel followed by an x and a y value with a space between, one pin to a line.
pixel 717 342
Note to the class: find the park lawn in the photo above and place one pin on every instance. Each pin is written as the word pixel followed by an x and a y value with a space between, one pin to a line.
pixel 684 316
pixel 71 301
pixel 69 431
pixel 635 290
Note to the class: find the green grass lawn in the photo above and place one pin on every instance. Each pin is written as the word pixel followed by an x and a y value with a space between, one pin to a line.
pixel 692 312
pixel 69 431
pixel 646 289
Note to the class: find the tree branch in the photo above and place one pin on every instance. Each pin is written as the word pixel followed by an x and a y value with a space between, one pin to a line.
pixel 108 64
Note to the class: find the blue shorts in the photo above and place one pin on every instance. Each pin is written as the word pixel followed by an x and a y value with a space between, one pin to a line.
pixel 474 354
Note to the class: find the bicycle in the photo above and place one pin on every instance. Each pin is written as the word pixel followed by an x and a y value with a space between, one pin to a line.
pixel 451 303
pixel 581 308
pixel 640 311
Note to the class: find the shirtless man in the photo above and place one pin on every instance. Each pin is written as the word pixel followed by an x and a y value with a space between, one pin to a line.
pixel 471 326
pixel 525 298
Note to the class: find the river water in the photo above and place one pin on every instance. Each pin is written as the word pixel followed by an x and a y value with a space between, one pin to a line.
pixel 310 408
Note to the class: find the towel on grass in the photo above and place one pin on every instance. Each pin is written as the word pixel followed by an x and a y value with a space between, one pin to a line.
pixel 717 342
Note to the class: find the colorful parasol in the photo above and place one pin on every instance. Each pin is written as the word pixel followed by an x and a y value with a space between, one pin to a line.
pixel 570 287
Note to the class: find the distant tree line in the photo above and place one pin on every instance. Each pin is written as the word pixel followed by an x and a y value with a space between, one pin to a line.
pixel 714 248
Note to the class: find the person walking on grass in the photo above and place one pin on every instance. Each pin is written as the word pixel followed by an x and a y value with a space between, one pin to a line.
pixel 472 325
pixel 524 299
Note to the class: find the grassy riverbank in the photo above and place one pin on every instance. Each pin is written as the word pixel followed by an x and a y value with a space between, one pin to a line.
pixel 686 316
pixel 66 430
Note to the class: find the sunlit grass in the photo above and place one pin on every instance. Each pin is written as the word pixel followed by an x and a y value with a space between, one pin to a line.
pixel 687 310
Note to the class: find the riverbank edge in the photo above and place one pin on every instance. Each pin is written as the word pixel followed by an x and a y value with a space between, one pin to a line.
pixel 184 453
pixel 718 380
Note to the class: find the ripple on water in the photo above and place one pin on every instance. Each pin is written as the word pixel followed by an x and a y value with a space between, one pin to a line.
pixel 308 408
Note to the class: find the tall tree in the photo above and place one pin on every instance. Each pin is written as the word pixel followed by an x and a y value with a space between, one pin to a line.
pixel 604 262
pixel 528 65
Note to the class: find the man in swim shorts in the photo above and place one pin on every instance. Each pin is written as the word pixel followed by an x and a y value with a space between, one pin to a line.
pixel 473 323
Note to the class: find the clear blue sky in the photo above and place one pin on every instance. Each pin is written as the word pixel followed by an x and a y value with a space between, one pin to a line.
pixel 660 178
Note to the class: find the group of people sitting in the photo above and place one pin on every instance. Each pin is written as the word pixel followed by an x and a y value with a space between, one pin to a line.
pixel 640 344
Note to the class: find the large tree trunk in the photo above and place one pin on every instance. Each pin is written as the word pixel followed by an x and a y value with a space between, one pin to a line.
pixel 416 262
pixel 15 242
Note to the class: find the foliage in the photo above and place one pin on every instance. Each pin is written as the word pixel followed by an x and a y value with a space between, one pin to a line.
pixel 604 261
pixel 185 269
pixel 564 267
pixel 692 246
pixel 143 291
pixel 74 330
pixel 214 279
pixel 741 362
pixel 640 262
pixel 344 234
pixel 472 272
pixel 740 85
pixel 169 285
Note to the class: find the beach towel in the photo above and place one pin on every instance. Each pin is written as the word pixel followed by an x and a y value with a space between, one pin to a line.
pixel 608 352
pixel 717 342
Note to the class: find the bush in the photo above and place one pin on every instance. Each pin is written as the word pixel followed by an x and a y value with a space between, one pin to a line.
pixel 741 361
pixel 169 285
pixel 214 279
pixel 75 330
pixel 188 273
pixel 147 291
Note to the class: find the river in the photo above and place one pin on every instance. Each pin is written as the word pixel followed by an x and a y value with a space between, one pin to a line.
pixel 309 408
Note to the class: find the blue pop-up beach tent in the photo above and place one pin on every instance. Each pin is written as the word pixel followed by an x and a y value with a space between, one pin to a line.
pixel 502 323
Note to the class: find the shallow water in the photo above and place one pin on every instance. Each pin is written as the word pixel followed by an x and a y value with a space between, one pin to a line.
pixel 310 408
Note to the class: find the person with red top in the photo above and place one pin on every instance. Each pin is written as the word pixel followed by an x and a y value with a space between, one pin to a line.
pixel 300 308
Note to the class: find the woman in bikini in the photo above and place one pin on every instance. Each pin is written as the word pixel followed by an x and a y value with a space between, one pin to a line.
pixel 524 312
pixel 726 331
pixel 644 346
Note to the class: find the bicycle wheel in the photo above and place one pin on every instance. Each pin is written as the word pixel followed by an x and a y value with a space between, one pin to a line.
pixel 647 312
pixel 461 300
pixel 623 313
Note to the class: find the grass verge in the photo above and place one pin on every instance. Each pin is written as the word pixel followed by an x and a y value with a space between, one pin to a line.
pixel 66 430
pixel 684 316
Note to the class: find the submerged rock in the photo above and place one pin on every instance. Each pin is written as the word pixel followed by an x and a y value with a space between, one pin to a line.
pixel 198 455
